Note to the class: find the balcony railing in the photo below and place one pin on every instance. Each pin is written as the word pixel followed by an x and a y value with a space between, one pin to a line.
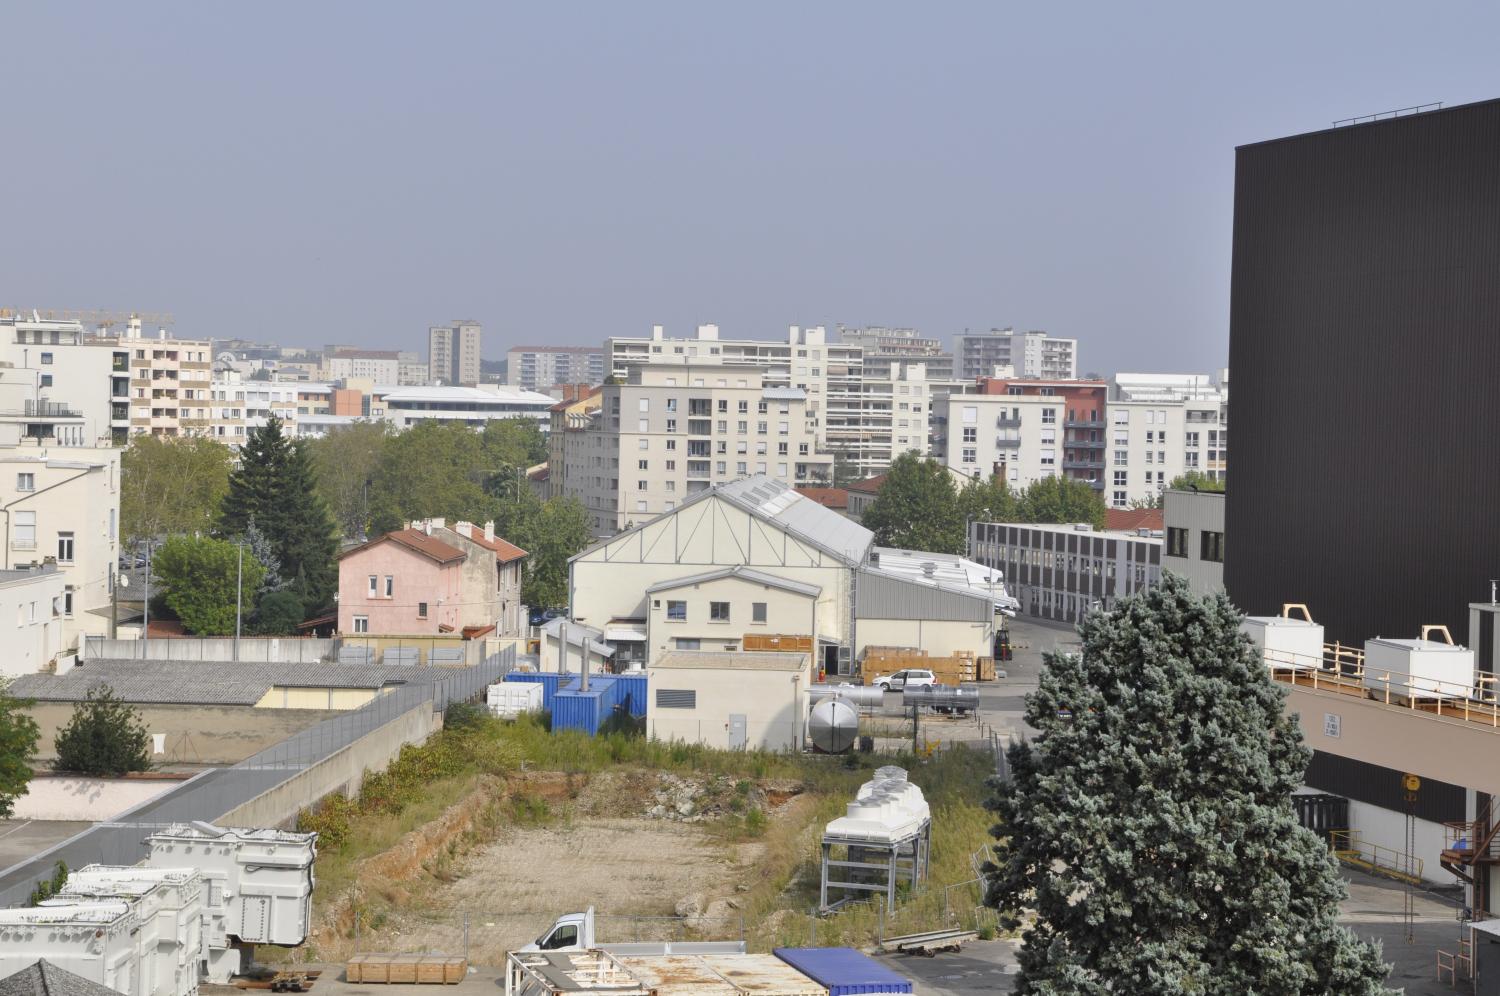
pixel 1083 464
pixel 1084 423
pixel 1007 422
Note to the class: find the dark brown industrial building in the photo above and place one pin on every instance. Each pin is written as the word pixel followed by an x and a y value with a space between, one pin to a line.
pixel 1365 352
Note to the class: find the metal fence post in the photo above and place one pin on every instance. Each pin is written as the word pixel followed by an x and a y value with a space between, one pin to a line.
pixel 466 937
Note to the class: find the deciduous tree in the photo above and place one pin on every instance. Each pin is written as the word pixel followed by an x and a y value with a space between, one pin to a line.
pixel 200 575
pixel 987 501
pixel 1061 499
pixel 171 485
pixel 344 464
pixel 104 738
pixel 1196 480
pixel 18 738
pixel 1148 830
pixel 917 508
pixel 432 469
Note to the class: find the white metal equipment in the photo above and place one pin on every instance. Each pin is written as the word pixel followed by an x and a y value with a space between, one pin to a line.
pixel 258 886
pixel 509 699
pixel 1419 669
pixel 95 941
pixel 168 903
pixel 1285 641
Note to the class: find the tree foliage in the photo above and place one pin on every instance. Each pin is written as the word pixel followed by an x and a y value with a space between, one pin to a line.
pixel 171 485
pixel 274 488
pixel 917 507
pixel 277 614
pixel 1196 480
pixel 432 469
pixel 988 501
pixel 18 739
pixel 550 532
pixel 200 575
pixel 1150 828
pixel 104 738
pixel 344 463
pixel 1061 499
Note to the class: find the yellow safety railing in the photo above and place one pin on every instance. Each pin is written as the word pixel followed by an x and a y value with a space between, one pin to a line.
pixel 1375 858
pixel 1473 702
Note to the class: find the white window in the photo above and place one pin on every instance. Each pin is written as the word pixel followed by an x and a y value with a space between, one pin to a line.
pixel 1122 457
pixel 1121 416
pixel 1048 458
pixel 969 454
pixel 1049 437
pixel 68 600
pixel 1119 478
pixel 26 482
pixel 643 443
pixel 361 624
pixel 641 464
pixel 645 404
pixel 781 470
pixel 25 531
pixel 718 611
pixel 374 585
pixel 640 485
pixel 640 506
pixel 970 435
pixel 390 586
pixel 758 612
pixel 644 425
pixel 1049 416
pixel 971 415
pixel 64 548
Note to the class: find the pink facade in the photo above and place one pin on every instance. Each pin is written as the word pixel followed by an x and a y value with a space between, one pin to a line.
pixel 417 587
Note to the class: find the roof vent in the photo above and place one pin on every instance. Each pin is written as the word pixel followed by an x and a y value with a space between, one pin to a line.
pixel 1083 527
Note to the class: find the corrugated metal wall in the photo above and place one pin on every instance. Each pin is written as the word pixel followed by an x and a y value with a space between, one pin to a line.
pixel 1365 363
pixel 880 596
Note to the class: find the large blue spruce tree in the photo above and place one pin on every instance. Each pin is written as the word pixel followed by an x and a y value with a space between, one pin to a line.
pixel 1146 840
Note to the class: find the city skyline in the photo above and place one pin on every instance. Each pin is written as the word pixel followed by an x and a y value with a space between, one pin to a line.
pixel 562 177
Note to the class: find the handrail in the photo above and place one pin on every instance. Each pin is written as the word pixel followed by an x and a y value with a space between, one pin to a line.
pixel 1447 637
pixel 1376 857
pixel 1475 701
pixel 1287 607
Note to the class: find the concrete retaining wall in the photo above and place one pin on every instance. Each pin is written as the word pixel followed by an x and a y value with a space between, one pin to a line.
pixel 341 771
pixel 194 734
pixel 67 797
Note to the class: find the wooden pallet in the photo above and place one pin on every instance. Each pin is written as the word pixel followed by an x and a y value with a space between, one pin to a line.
pixel 406 969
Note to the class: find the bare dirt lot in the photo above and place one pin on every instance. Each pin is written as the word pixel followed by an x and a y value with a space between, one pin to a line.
pixel 685 855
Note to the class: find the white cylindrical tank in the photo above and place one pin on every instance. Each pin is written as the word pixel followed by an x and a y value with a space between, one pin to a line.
pixel 833 726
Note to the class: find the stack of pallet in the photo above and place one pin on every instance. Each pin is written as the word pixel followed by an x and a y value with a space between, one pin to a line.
pixel 397 969
pixel 961 667
pixel 985 670
pixel 780 643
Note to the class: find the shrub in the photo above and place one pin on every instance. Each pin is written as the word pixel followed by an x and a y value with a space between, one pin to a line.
pixel 465 716
pixel 278 614
pixel 104 738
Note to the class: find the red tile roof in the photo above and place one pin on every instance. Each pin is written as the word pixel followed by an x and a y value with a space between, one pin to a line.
pixel 1130 519
pixel 504 551
pixel 836 498
pixel 869 486
pixel 416 541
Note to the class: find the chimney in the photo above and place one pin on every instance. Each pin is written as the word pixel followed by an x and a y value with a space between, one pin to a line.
pixel 489 529
pixel 463 528
pixel 656 333
pixel 427 526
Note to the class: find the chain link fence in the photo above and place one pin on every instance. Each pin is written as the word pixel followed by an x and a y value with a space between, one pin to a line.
pixel 210 794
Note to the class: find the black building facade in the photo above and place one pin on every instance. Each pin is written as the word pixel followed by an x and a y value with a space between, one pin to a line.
pixel 1365 356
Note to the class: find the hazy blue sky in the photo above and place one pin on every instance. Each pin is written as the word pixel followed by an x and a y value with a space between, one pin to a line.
pixel 562 172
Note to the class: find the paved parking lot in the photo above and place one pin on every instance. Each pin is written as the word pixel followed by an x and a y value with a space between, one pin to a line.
pixel 20 839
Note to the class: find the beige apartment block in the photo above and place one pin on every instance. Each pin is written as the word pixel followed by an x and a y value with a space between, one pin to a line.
pixel 453 353
pixel 61 504
pixel 1153 442
pixel 1020 437
pixel 871 420
pixel 668 433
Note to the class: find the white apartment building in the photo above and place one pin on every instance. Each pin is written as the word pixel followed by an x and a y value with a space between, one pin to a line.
pixel 240 406
pixel 31 620
pixel 1152 442
pixel 473 406
pixel 453 353
pixel 1168 387
pixel 411 370
pixel 536 368
pixel 61 504
pixel 1022 438
pixel 870 420
pixel 1028 354
pixel 667 433
pixel 74 370
pixel 381 366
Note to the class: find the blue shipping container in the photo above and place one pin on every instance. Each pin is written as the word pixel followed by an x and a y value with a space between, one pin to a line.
pixel 634 694
pixel 578 710
pixel 549 683
pixel 844 971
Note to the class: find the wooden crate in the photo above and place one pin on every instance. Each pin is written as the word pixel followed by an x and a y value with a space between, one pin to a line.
pixel 778 643
pixel 374 968
pixel 442 970
pixel 403 969
pixel 985 670
pixel 353 968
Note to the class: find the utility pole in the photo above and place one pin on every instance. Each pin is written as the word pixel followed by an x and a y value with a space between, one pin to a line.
pixel 146 607
pixel 239 585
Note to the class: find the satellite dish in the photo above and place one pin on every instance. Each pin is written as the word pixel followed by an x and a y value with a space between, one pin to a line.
pixel 124 581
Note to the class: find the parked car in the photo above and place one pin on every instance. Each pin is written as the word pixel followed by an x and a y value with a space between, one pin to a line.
pixel 540 617
pixel 911 677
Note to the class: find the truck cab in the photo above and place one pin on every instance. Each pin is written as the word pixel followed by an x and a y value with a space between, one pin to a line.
pixel 569 932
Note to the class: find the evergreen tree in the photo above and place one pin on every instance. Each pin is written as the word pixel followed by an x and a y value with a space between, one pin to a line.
pixel 917 508
pixel 274 488
pixel 1149 828
pixel 104 738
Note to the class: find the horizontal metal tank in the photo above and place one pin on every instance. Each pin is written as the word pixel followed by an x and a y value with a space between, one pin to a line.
pixel 941 697
pixel 833 726
pixel 859 696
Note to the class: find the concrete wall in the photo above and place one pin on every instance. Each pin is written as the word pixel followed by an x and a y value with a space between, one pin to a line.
pixel 773 704
pixel 787 612
pixel 194 733
pixel 342 699
pixel 1195 512
pixel 938 638
pixel 474 650
pixel 341 771
pixel 50 797
pixel 255 649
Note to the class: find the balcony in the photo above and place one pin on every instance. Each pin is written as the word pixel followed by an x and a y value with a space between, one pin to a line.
pixel 1084 423
pixel 1007 443
pixel 1072 464
pixel 1008 422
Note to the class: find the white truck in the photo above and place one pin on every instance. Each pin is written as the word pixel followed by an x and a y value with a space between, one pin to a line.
pixel 575 932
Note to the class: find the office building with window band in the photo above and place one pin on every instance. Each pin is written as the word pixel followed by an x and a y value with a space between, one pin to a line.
pixel 1062 571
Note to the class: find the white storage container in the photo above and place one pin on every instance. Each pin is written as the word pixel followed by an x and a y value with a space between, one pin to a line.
pixel 509 699
pixel 94 940
pixel 1418 669
pixel 1286 642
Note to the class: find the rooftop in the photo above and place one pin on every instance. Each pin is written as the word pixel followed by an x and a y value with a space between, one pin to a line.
pixel 834 498
pixel 743 573
pixel 203 682
pixel 418 542
pixel 1130 519
pixel 770 499
pixel 732 660
pixel 43 978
